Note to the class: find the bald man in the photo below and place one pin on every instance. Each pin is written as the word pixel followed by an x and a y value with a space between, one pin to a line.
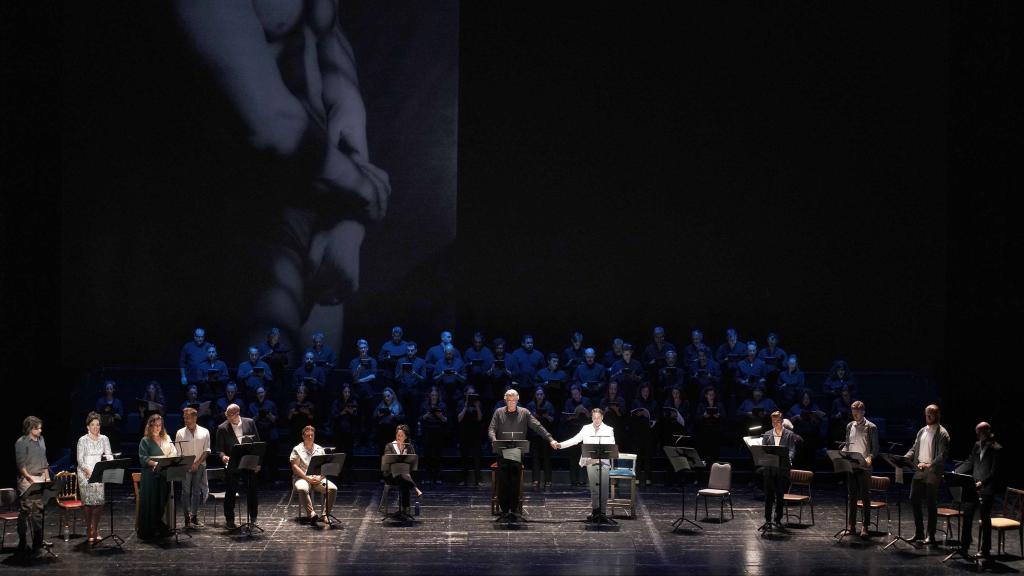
pixel 983 466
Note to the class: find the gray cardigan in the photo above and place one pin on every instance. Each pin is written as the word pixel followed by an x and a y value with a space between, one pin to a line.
pixel 940 449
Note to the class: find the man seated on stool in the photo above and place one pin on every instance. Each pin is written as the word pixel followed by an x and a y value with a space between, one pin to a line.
pixel 301 455
pixel 596 433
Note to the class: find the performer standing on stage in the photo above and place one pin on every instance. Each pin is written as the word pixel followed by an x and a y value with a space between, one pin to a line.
pixel 596 433
pixel 983 466
pixel 776 480
pixel 511 422
pixel 154 489
pixel 928 456
pixel 92 448
pixel 862 438
pixel 193 440
pixel 230 433
pixel 30 457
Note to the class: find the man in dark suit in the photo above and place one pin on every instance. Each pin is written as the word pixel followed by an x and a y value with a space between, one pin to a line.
pixel 931 445
pixel 776 480
pixel 236 430
pixel 982 465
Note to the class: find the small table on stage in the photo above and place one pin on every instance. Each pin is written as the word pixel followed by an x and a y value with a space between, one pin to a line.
pixel 397 465
pixel 174 468
pixel 683 460
pixel 846 462
pixel 902 466
pixel 512 450
pixel 326 465
pixel 246 458
pixel 968 493
pixel 110 472
pixel 768 458
pixel 601 452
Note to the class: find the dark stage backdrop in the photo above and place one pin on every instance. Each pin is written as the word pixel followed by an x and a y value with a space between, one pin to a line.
pixel 225 165
pixel 773 168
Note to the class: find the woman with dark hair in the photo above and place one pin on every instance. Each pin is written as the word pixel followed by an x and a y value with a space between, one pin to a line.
pixel 643 418
pixel 839 376
pixel 152 401
pixel 401 445
pixel 710 422
pixel 300 414
pixel 433 427
pixel 345 426
pixel 92 447
pixel 388 413
pixel 154 490
pixel 809 424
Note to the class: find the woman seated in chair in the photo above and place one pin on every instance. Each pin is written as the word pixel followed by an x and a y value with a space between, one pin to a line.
pixel 154 490
pixel 401 445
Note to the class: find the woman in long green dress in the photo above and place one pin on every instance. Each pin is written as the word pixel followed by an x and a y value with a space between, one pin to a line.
pixel 154 488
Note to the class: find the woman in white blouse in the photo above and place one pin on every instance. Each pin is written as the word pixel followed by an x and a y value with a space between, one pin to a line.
pixel 92 447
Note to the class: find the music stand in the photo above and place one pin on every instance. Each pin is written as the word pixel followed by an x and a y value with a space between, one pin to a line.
pixel 246 458
pixel 601 452
pixel 396 465
pixel 847 462
pixel 901 465
pixel 45 490
pixel 683 459
pixel 767 457
pixel 174 469
pixel 110 472
pixel 326 465
pixel 513 450
pixel 968 493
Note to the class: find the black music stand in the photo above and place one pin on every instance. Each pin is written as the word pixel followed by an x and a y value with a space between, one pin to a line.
pixel 396 465
pixel 768 458
pixel 174 468
pixel 901 465
pixel 45 490
pixel 326 465
pixel 513 450
pixel 847 462
pixel 601 452
pixel 246 458
pixel 683 460
pixel 968 493
pixel 110 472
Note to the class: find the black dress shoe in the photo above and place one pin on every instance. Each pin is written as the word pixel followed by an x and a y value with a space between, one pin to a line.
pixel 230 525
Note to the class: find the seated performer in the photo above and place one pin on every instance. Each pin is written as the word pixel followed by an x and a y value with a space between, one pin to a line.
pixel 983 466
pixel 595 433
pixel 236 430
pixel 402 445
pixel 511 422
pixel 776 480
pixel 302 453
pixel 931 446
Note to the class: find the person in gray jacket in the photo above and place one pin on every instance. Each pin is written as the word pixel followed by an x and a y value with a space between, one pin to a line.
pixel 929 458
pixel 861 437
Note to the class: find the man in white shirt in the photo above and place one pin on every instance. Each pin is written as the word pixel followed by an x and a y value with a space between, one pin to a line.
pixel 929 458
pixel 193 440
pixel 301 455
pixel 597 472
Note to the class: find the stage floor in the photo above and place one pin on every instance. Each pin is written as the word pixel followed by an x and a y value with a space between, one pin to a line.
pixel 456 533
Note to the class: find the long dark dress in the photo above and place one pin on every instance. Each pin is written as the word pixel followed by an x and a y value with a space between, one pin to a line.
pixel 153 493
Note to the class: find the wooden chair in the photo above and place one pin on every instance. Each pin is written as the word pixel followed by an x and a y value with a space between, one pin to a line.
pixel 879 487
pixel 69 501
pixel 617 474
pixel 719 486
pixel 9 500
pixel 136 478
pixel 799 478
pixel 948 513
pixel 495 507
pixel 1011 519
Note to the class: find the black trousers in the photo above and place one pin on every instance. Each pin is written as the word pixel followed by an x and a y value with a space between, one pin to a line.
pixel 540 454
pixel 985 507
pixel 509 472
pixel 775 483
pixel 927 493
pixel 405 485
pixel 231 481
pixel 575 474
pixel 859 488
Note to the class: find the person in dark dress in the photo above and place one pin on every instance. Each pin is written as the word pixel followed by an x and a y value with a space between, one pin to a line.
pixel 710 425
pixel 434 429
pixel 643 417
pixel 809 424
pixel 154 490
pixel 345 426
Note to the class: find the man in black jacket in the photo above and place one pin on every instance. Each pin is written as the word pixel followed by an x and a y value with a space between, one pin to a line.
pixel 983 466
pixel 777 479
pixel 236 430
